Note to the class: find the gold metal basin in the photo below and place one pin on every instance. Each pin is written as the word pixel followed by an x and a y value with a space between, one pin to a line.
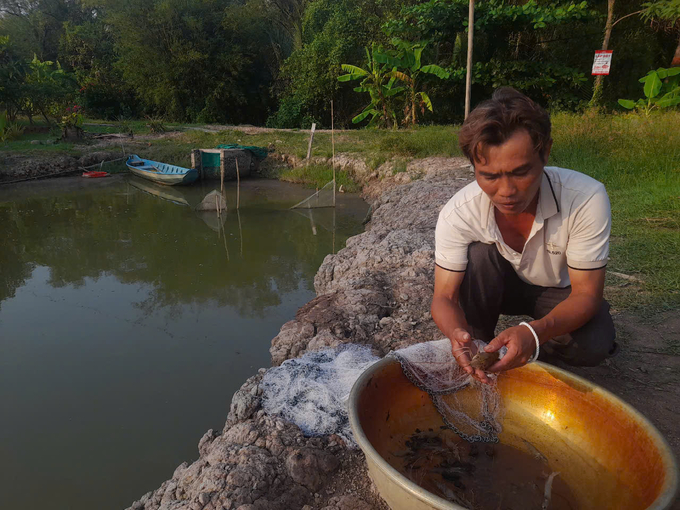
pixel 608 454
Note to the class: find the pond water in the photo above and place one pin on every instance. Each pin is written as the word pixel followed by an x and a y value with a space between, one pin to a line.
pixel 127 322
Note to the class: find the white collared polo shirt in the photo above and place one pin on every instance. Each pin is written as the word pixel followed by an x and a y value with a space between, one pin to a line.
pixel 571 229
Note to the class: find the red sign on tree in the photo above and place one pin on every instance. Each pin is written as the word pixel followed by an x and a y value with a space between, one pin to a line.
pixel 602 62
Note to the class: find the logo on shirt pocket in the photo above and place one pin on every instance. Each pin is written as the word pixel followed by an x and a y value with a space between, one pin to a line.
pixel 553 249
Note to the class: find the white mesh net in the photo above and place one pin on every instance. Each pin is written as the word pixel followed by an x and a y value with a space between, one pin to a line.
pixel 322 198
pixel 312 391
pixel 471 409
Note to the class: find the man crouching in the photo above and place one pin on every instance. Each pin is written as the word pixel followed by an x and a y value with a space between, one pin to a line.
pixel 523 239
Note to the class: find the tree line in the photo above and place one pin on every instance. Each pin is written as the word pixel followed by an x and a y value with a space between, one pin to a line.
pixel 277 62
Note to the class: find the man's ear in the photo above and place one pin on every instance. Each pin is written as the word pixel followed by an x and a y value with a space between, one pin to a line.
pixel 546 151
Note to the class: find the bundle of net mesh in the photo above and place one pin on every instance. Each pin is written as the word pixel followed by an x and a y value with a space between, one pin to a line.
pixel 312 391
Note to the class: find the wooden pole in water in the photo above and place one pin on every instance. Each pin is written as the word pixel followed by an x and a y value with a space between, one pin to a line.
pixel 196 162
pixel 223 157
pixel 311 139
pixel 468 76
pixel 238 186
pixel 240 232
pixel 333 146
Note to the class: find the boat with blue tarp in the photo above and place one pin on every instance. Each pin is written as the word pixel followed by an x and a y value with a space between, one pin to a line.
pixel 162 173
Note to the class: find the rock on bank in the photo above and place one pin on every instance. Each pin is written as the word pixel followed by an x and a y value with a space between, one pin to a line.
pixel 376 291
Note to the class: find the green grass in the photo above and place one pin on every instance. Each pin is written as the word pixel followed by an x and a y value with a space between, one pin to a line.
pixel 638 160
pixel 317 176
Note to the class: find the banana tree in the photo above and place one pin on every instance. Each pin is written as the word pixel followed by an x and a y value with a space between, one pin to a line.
pixel 378 80
pixel 409 59
pixel 661 89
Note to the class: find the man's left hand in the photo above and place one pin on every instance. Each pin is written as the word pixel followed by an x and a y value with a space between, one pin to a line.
pixel 521 346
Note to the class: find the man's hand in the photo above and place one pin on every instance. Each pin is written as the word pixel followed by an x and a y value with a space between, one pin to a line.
pixel 521 346
pixel 463 349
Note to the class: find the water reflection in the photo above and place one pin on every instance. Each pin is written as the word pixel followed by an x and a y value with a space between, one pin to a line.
pixel 127 320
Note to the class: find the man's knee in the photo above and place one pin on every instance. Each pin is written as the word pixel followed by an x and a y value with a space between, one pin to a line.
pixel 589 345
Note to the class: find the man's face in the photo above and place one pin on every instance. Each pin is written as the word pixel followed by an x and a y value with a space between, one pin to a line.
pixel 510 174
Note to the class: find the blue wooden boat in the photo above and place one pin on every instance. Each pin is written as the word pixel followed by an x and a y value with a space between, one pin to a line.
pixel 162 173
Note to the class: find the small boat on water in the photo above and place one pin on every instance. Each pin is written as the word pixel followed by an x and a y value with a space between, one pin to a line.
pixel 162 173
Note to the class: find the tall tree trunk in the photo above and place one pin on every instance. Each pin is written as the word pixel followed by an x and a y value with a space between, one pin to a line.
pixel 599 85
pixel 676 57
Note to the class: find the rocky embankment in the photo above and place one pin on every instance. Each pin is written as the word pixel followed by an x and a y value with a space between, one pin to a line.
pixel 375 291
pixel 18 167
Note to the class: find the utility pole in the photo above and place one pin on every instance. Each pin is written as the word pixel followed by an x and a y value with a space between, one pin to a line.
pixel 468 76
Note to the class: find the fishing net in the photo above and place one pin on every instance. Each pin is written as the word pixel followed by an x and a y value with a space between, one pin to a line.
pixel 471 409
pixel 322 198
pixel 312 391
pixel 260 153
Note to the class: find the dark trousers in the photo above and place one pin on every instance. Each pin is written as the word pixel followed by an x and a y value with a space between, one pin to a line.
pixel 491 287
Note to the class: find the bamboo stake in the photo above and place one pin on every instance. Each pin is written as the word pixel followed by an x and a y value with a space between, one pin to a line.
pixel 221 229
pixel 240 232
pixel 311 139
pixel 223 156
pixel 238 186
pixel 196 162
pixel 468 76
pixel 333 145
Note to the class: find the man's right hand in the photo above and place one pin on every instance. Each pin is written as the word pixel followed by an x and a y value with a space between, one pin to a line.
pixel 463 349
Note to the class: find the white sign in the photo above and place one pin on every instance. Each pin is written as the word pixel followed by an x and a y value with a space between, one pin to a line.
pixel 602 62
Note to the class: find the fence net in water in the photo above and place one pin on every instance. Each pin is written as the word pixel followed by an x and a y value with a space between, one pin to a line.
pixel 312 391
pixel 322 198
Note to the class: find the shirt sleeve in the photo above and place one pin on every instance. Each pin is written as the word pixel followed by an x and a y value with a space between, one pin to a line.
pixel 588 244
pixel 452 238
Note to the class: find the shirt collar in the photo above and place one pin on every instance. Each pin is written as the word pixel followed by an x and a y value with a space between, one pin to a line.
pixel 547 202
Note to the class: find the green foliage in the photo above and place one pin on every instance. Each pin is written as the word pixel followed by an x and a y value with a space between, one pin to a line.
pixel 9 130
pixel 155 124
pixel 88 50
pixel 12 78
pixel 251 61
pixel 661 89
pixel 509 50
pixel 384 67
pixel 668 10
pixel 410 71
pixel 124 126
pixel 334 32
pixel 47 88
pixel 378 80
pixel 72 117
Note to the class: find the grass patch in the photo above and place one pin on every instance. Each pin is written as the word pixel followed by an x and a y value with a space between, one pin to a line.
pixel 317 176
pixel 638 160
pixel 400 166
